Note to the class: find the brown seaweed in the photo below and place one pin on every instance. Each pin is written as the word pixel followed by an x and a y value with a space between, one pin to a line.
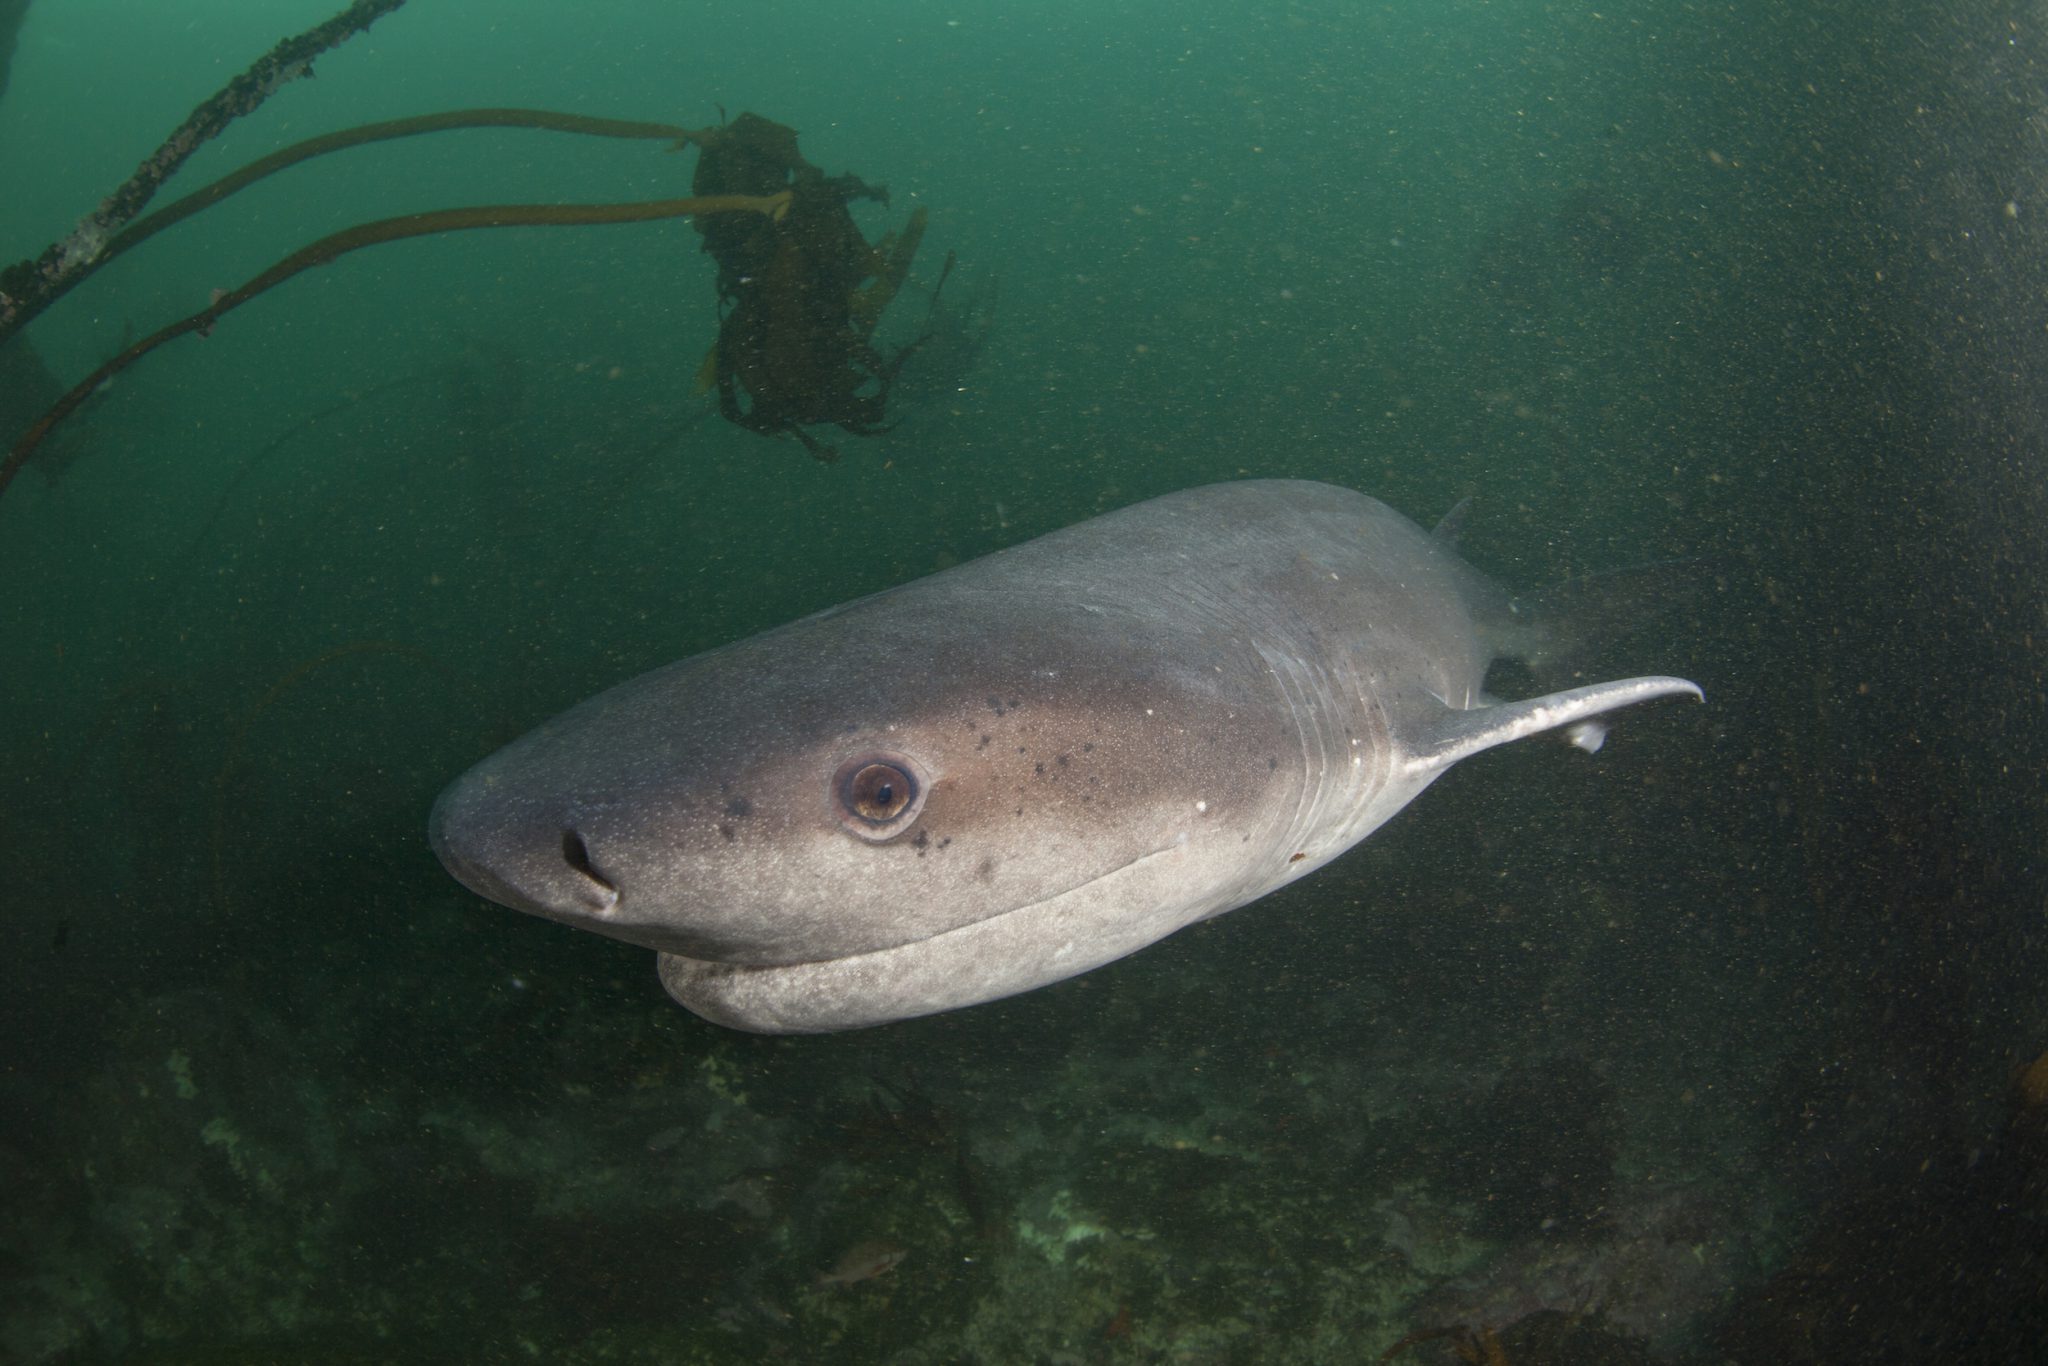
pixel 799 294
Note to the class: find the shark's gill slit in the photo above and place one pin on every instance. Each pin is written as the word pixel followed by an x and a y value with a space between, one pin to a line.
pixel 577 855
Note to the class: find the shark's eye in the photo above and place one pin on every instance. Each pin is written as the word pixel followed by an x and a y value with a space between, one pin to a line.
pixel 879 792
pixel 878 796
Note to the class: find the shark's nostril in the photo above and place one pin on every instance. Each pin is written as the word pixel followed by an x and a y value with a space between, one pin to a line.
pixel 577 855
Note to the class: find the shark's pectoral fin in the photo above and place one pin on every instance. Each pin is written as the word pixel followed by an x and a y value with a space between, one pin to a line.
pixel 1447 734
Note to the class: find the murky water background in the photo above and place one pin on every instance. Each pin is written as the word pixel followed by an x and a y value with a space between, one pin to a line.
pixel 1712 1047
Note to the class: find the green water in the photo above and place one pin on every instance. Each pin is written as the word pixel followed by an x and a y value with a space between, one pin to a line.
pixel 1715 1033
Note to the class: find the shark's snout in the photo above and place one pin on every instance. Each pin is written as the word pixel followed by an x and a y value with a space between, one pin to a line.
pixel 526 859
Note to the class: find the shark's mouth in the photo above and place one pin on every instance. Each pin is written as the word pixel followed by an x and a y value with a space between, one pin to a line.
pixel 1028 946
pixel 716 949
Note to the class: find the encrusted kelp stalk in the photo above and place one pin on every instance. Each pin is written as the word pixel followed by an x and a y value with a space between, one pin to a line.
pixel 374 234
pixel 205 197
pixel 801 290
pixel 28 287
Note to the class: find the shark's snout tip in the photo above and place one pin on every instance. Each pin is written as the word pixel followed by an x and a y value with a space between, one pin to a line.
pixel 449 838
pixel 528 862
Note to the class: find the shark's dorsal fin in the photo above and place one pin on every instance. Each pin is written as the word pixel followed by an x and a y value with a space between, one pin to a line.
pixel 1449 734
pixel 1453 525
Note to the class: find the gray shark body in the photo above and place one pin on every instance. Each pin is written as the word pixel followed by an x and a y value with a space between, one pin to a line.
pixel 1013 771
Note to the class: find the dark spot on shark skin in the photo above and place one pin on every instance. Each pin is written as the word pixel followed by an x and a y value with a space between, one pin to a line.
pixel 1039 769
pixel 1088 747
pixel 1063 760
pixel 1271 763
pixel 945 840
pixel 739 808
pixel 985 871
pixel 995 704
pixel 727 831
pixel 984 743
pixel 922 843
